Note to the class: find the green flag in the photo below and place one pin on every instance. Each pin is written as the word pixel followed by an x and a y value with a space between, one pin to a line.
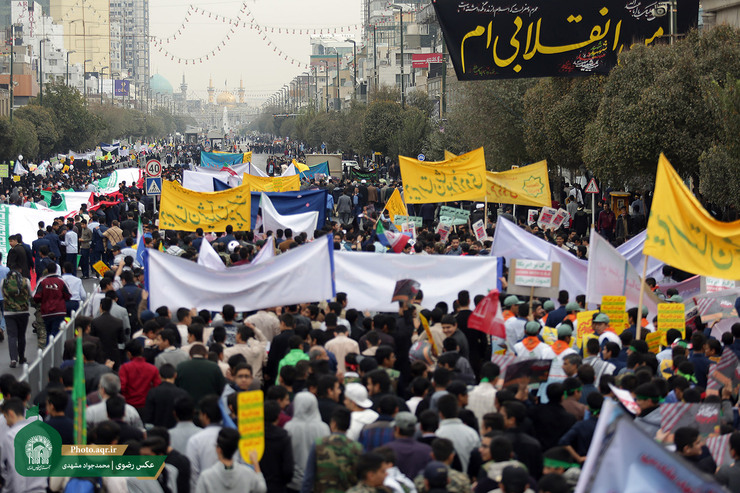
pixel 79 396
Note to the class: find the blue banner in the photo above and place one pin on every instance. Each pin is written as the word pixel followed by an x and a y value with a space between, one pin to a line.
pixel 293 203
pixel 121 87
pixel 219 160
pixel 219 186
pixel 319 169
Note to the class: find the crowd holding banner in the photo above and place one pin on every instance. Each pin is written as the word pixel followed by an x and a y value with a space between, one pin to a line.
pixel 290 333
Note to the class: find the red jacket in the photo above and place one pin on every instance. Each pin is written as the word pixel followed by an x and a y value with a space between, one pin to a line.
pixel 51 293
pixel 137 378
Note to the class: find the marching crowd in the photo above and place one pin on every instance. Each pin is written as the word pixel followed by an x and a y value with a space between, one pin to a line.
pixel 353 401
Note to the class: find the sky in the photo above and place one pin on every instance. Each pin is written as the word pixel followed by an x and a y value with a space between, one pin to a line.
pixel 246 54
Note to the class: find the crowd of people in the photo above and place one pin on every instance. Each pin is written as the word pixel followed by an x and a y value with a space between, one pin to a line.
pixel 353 401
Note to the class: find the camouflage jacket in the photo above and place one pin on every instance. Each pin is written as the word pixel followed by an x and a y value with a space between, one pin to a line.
pixel 457 482
pixel 336 461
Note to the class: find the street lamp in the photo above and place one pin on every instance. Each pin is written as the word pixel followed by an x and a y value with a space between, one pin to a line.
pixel 84 80
pixel 354 62
pixel 41 71
pixel 326 80
pixel 71 51
pixel 101 84
pixel 400 12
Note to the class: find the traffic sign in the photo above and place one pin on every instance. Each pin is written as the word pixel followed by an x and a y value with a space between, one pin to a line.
pixel 421 157
pixel 153 168
pixel 153 185
pixel 592 187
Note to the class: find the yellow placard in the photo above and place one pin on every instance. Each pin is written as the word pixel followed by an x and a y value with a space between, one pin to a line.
pixel 250 416
pixel 460 178
pixel 584 320
pixel 615 307
pixel 395 205
pixel 16 178
pixel 681 233
pixel 672 316
pixel 277 184
pixel 653 340
pixel 187 210
pixel 100 267
pixel 584 340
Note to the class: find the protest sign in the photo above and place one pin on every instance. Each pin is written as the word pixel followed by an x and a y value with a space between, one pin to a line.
pixel 531 217
pixel 410 229
pixel 186 210
pixel 546 217
pixel 626 399
pixel 100 267
pixel 480 230
pixel 528 372
pixel 251 423
pixel 533 273
pixel 671 316
pixel 454 213
pixel 560 217
pixel 405 290
pixel 460 178
pixel 584 322
pixel 702 416
pixel 399 220
pixel 714 284
pixel 443 229
pixel 615 307
pixel 653 340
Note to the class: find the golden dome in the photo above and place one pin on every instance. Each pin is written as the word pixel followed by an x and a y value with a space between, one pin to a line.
pixel 225 98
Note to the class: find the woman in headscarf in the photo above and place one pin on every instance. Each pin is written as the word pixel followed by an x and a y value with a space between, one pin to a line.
pixel 305 427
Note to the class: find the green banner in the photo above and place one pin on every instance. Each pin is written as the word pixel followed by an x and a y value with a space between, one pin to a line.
pixel 399 220
pixel 364 175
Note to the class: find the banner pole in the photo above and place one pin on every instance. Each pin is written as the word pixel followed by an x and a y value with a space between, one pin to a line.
pixel 638 322
pixel 593 210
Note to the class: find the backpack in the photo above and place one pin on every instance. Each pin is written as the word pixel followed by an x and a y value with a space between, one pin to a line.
pixel 84 485
pixel 16 292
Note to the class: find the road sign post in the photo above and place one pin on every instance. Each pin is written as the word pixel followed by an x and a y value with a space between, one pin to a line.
pixel 153 168
pixel 593 189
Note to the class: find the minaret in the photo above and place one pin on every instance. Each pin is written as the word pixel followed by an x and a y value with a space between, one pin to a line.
pixel 211 90
pixel 241 90
pixel 184 88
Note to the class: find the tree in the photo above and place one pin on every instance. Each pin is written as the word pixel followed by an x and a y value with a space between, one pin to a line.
pixel 413 134
pixel 43 121
pixel 25 139
pixel 421 100
pixel 381 126
pixel 77 127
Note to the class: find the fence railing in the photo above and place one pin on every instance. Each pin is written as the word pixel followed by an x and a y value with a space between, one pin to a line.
pixel 37 373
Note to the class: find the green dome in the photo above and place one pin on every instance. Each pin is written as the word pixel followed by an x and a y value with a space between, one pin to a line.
pixel 160 85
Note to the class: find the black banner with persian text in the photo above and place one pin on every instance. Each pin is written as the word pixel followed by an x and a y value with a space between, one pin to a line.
pixel 499 39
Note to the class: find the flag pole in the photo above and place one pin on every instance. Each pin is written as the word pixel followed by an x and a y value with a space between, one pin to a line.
pixel 638 322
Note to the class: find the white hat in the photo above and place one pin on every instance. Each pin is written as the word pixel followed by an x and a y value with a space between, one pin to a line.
pixel 363 181
pixel 233 245
pixel 357 393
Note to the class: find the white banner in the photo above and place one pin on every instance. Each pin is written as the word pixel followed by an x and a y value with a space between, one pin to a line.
pixel 301 275
pixel 207 256
pixel 299 223
pixel 632 251
pixel 202 182
pixel 255 171
pixel 23 220
pixel 610 274
pixel 623 458
pixel 369 278
pixel 267 251
pixel 511 241
pixel 129 175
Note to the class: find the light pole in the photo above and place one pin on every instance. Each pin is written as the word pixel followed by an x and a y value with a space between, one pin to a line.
pixel 101 84
pixel 354 63
pixel 400 15
pixel 12 77
pixel 84 80
pixel 41 72
pixel 326 79
pixel 71 51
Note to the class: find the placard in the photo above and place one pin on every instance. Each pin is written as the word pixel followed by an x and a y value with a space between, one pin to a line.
pixel 398 220
pixel 100 267
pixel 529 372
pixel 654 340
pixel 455 214
pixel 480 230
pixel 539 291
pixel 251 423
pixel 615 307
pixel 533 273
pixel 531 217
pixel 714 284
pixel 584 322
pixel 409 228
pixel 4 170
pixel 671 316
pixel 547 215
pixel 444 231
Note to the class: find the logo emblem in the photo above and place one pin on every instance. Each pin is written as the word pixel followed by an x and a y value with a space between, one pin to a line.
pixel 38 452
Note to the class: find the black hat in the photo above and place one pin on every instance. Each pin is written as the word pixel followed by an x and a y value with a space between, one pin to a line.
pixel 436 473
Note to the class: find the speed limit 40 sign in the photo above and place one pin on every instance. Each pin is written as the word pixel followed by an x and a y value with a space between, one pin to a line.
pixel 153 168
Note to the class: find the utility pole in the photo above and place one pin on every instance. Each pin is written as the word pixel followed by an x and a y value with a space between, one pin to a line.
pixel 326 80
pixel 12 60
pixel 443 101
pixel 375 58
pixel 337 102
pixel 41 72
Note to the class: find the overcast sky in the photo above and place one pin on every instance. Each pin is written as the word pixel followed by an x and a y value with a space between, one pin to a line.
pixel 246 54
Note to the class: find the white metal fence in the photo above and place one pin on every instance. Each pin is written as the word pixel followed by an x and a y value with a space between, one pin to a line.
pixel 37 373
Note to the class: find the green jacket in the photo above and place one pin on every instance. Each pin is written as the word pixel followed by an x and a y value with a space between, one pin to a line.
pixel 290 359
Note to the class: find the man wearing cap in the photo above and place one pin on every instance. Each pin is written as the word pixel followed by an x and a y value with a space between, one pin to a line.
pixel 411 455
pixel 435 477
pixel 515 324
pixel 531 347
pixel 601 329
pixel 548 306
pixel 357 401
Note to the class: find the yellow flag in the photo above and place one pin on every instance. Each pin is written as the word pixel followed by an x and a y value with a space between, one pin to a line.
pixel 681 233
pixel 247 157
pixel 300 166
pixel 395 205
pixel 277 184
pixel 528 185
pixel 460 178
pixel 187 210
pixel 65 168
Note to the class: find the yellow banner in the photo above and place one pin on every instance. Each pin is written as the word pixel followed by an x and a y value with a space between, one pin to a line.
pixel 186 210
pixel 277 184
pixel 251 422
pixel 395 205
pixel 300 166
pixel 460 178
pixel 681 233
pixel 527 185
